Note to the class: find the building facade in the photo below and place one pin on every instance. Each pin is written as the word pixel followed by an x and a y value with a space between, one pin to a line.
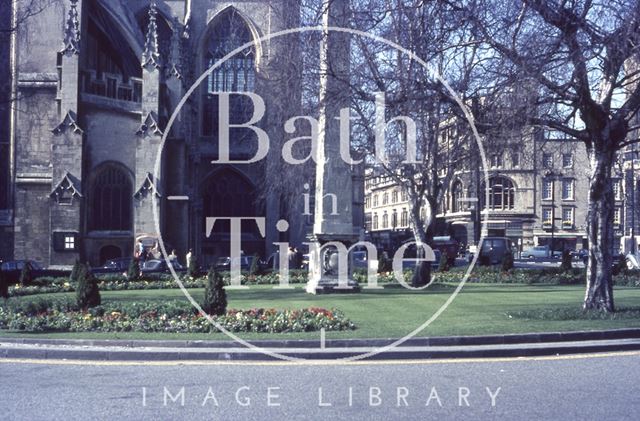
pixel 536 194
pixel 96 82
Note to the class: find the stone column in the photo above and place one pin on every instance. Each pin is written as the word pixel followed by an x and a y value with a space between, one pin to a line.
pixel 176 211
pixel 66 152
pixel 147 180
pixel 333 221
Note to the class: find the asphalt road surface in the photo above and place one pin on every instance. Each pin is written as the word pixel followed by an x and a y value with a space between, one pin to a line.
pixel 600 386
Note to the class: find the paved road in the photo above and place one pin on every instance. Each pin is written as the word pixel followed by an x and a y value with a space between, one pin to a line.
pixel 570 388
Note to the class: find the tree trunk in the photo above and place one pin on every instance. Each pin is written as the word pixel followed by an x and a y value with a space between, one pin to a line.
pixel 599 291
pixel 422 272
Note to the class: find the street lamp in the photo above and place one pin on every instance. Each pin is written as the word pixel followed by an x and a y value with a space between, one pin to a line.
pixel 553 176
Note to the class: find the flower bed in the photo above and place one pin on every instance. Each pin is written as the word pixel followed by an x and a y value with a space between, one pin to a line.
pixel 172 316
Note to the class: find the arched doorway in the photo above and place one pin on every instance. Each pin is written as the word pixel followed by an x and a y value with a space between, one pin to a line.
pixel 228 193
pixel 109 252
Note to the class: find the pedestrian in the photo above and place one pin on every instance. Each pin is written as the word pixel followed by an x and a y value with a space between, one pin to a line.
pixel 298 259
pixel 140 252
pixel 291 257
pixel 188 257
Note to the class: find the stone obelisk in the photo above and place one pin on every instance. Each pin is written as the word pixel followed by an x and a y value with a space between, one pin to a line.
pixel 333 220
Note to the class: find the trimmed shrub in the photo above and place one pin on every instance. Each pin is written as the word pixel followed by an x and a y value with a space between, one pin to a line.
pixel 566 265
pixel 507 262
pixel 26 275
pixel 192 266
pixel 384 264
pixel 443 265
pixel 253 269
pixel 620 268
pixel 87 292
pixel 215 297
pixel 73 277
pixel 133 272
pixel 4 286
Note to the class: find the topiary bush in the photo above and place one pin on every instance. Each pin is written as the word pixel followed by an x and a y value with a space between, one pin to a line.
pixel 73 276
pixel 4 286
pixel 192 266
pixel 621 267
pixel 253 269
pixel 87 292
pixel 133 272
pixel 507 262
pixel 215 297
pixel 443 265
pixel 384 264
pixel 26 275
pixel 566 265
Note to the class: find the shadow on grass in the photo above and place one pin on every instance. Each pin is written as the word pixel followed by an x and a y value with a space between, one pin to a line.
pixel 576 313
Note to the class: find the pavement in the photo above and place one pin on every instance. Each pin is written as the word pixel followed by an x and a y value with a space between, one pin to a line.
pixel 493 346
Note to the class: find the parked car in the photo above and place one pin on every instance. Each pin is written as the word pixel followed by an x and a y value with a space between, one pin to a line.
pixel 118 265
pixel 160 266
pixel 411 264
pixel 493 250
pixel 224 263
pixel 582 254
pixel 448 246
pixel 11 270
pixel 539 252
pixel 360 259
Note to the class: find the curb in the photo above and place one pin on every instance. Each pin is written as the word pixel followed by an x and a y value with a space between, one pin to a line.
pixel 492 346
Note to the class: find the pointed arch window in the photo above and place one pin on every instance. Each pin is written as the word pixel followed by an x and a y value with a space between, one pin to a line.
pixel 226 193
pixel 236 74
pixel 111 203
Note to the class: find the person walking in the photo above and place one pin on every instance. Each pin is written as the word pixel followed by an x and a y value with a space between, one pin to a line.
pixel 140 253
pixel 291 257
pixel 188 257
pixel 298 258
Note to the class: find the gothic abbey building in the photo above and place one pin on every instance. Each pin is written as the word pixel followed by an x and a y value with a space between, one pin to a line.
pixel 93 85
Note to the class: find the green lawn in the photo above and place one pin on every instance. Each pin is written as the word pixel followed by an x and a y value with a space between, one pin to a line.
pixel 394 312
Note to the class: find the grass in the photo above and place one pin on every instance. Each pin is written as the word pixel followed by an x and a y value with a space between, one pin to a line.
pixel 394 312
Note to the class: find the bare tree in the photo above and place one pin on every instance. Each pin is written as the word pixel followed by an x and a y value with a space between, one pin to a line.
pixel 423 166
pixel 581 56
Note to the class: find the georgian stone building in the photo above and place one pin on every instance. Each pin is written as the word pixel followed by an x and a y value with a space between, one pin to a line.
pixel 538 187
pixel 96 82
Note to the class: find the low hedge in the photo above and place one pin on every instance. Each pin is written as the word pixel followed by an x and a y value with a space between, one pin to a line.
pixel 489 275
pixel 167 316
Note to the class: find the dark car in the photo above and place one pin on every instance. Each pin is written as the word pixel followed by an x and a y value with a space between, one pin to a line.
pixel 160 266
pixel 447 246
pixel 494 249
pixel 582 254
pixel 410 264
pixel 117 265
pixel 11 270
pixel 224 263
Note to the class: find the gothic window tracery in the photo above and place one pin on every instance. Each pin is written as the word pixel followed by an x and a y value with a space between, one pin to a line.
pixel 236 74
